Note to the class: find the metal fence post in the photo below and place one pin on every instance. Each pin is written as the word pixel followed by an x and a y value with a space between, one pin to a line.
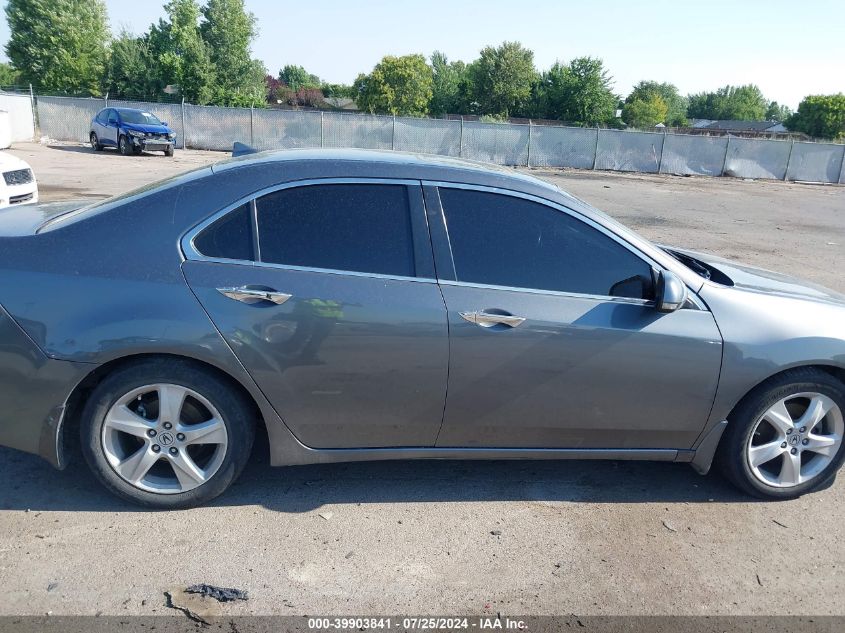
pixel 596 152
pixel 789 159
pixel 184 129
pixel 33 113
pixel 322 144
pixel 251 126
pixel 528 160
pixel 461 142
pixel 662 149
pixel 393 135
pixel 725 159
pixel 842 168
pixel 106 100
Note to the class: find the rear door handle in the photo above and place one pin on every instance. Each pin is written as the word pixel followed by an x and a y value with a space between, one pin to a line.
pixel 489 319
pixel 246 294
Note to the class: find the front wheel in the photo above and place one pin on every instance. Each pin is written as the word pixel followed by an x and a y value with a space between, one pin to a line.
pixel 785 438
pixel 166 434
pixel 169 151
pixel 124 146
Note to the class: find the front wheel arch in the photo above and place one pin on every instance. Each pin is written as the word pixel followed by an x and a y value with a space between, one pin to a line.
pixel 68 434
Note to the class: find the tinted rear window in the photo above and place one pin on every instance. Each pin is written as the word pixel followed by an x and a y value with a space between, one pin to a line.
pixel 230 237
pixel 356 227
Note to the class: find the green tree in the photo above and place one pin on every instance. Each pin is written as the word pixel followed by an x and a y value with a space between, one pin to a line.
pixel 742 103
pixel 58 45
pixel 182 56
pixel 645 112
pixel 776 112
pixel 8 75
pixel 500 81
pixel 297 78
pixel 580 92
pixel 228 30
pixel 397 85
pixel 131 69
pixel 821 116
pixel 676 104
pixel 446 88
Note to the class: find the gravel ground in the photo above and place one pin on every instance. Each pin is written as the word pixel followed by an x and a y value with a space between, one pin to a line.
pixel 448 537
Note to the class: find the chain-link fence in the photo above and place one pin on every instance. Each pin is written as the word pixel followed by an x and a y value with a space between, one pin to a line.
pixel 215 128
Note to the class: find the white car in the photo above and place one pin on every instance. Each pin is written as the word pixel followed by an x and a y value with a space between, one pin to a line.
pixel 18 185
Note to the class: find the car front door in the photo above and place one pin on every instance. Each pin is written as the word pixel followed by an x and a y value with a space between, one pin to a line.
pixel 555 340
pixel 326 293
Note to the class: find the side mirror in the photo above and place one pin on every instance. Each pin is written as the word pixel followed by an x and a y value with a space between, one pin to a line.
pixel 671 292
pixel 164 123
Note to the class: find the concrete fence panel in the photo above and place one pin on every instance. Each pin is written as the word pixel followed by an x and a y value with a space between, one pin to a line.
pixel 428 136
pixel 629 151
pixel 499 143
pixel 563 147
pixel 687 155
pixel 19 108
pixel 757 158
pixel 816 162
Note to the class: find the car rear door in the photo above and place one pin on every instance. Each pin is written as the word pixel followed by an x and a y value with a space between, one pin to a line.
pixel 555 340
pixel 325 290
pixel 110 128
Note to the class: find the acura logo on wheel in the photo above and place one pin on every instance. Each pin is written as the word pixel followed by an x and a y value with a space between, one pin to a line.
pixel 794 439
pixel 165 439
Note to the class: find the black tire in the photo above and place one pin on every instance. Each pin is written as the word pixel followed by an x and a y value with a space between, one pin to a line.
pixel 95 142
pixel 169 151
pixel 124 145
pixel 233 407
pixel 731 456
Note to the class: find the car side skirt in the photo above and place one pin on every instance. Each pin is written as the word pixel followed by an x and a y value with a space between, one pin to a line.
pixel 326 456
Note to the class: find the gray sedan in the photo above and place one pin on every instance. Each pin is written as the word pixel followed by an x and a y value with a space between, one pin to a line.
pixel 358 305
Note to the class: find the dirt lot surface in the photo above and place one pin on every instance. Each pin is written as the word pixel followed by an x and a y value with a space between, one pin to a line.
pixel 447 537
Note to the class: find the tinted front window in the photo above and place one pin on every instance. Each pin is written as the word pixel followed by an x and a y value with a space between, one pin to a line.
pixel 230 237
pixel 358 227
pixel 506 241
pixel 139 118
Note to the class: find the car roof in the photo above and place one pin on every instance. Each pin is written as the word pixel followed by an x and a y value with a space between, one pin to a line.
pixel 383 157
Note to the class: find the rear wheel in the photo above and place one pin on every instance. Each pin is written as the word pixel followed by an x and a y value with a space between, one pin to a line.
pixel 95 142
pixel 786 438
pixel 165 434
pixel 124 146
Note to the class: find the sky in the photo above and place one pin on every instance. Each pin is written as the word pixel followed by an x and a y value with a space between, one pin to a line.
pixel 790 49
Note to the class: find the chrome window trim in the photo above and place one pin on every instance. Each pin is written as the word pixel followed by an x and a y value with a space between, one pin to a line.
pixel 439 184
pixel 190 252
pixel 553 293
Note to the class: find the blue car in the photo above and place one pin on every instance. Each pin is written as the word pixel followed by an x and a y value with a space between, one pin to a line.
pixel 131 131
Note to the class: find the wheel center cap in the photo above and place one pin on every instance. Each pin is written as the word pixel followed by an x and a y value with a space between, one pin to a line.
pixel 165 439
pixel 794 439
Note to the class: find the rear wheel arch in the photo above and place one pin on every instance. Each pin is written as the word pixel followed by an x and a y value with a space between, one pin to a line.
pixel 75 404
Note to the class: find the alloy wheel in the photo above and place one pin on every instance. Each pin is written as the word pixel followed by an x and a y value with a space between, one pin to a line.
pixel 164 438
pixel 795 439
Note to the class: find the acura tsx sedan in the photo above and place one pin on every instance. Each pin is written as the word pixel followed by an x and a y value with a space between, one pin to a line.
pixel 358 305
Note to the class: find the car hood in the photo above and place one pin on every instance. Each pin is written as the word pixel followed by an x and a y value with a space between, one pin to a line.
pixel 143 127
pixel 764 281
pixel 9 162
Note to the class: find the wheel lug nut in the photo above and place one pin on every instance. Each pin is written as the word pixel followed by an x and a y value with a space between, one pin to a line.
pixel 789 431
pixel 783 445
pixel 805 442
pixel 803 429
pixel 180 437
pixel 168 425
pixel 151 433
pixel 174 450
pixel 793 451
pixel 156 448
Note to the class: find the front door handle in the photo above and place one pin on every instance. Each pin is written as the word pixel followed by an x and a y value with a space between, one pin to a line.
pixel 489 319
pixel 246 294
